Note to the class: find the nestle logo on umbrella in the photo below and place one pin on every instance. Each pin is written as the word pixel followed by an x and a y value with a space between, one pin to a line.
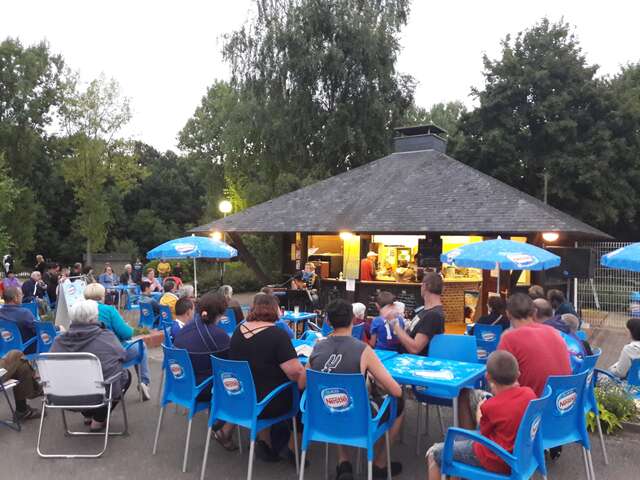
pixel 6 335
pixel 185 248
pixel 566 400
pixel 231 383
pixel 336 399
pixel 522 259
pixel 453 254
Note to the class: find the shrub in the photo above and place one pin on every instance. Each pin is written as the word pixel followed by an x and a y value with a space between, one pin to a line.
pixel 236 274
pixel 615 406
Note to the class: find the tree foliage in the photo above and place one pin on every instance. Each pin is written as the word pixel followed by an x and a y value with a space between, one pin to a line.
pixel 543 112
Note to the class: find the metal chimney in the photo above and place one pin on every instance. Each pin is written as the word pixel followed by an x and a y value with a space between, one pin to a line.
pixel 419 137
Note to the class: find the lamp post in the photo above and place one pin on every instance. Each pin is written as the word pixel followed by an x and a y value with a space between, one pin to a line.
pixel 225 207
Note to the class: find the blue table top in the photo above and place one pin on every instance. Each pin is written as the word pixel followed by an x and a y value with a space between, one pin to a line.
pixel 299 317
pixel 385 354
pixel 444 378
pixel 382 354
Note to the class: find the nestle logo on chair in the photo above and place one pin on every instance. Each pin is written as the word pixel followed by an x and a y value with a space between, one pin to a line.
pixel 336 399
pixel 488 336
pixel 566 400
pixel 176 370
pixel 185 248
pixel 45 337
pixel 231 384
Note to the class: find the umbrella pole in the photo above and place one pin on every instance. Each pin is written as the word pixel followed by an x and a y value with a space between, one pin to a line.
pixel 195 277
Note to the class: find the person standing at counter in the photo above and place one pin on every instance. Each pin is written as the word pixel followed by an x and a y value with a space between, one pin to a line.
pixel 368 267
pixel 429 321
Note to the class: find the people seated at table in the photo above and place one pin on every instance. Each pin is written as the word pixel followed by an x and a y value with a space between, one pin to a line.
pixel 232 303
pixel 560 304
pixel 567 324
pixel 629 353
pixel 536 291
pixel 498 418
pixel 152 280
pixel 273 361
pixel 11 281
pixel 108 280
pixel 86 335
pixel 89 274
pixel 202 337
pixel 126 277
pixel 382 336
pixel 147 298
pixel 428 322
pixel 359 313
pixel 342 353
pixel 18 368
pixel 573 323
pixel 185 309
pixel 34 288
pixel 164 268
pixel 169 298
pixel 111 319
pixel 13 311
pixel 497 313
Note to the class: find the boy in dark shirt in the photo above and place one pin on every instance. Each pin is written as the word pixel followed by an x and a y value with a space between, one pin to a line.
pixel 498 418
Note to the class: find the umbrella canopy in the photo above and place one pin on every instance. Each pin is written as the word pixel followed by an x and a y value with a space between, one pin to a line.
pixel 502 254
pixel 193 247
pixel 625 258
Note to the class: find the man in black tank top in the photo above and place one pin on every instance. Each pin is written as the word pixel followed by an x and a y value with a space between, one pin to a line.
pixel 342 353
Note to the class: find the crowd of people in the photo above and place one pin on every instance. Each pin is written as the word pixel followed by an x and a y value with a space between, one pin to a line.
pixel 539 340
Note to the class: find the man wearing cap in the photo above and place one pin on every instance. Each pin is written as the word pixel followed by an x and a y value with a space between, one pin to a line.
pixel 368 267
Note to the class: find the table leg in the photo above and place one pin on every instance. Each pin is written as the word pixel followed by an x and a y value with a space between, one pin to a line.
pixel 455 411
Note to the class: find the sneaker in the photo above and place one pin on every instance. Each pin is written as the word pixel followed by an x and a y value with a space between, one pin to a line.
pixel 144 389
pixel 28 414
pixel 396 469
pixel 264 452
pixel 344 471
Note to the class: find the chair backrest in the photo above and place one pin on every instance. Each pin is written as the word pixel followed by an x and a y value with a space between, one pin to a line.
pixel 46 334
pixel 528 446
pixel 33 308
pixel 147 318
pixel 165 314
pixel 462 348
pixel 234 393
pixel 487 339
pixel 228 321
pixel 337 407
pixel 10 338
pixel 133 298
pixel 588 365
pixel 563 420
pixel 167 341
pixel 180 380
pixel 71 378
pixel 358 331
pixel 326 328
pixel 633 376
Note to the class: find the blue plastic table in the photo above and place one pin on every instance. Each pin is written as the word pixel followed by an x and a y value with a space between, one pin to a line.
pixel 297 342
pixel 442 378
pixel 385 354
pixel 119 289
pixel 290 316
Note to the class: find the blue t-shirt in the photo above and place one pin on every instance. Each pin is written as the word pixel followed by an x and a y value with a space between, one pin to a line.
pixel 385 340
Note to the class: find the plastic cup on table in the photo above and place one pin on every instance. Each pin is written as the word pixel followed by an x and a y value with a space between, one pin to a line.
pixel 296 310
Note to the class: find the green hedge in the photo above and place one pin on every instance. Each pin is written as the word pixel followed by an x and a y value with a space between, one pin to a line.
pixel 236 274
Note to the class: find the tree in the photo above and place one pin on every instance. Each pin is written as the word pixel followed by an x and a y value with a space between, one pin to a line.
pixel 97 160
pixel 543 112
pixel 8 193
pixel 34 83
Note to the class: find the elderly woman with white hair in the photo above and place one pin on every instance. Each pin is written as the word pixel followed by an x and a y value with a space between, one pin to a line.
pixel 109 316
pixel 359 313
pixel 233 304
pixel 85 335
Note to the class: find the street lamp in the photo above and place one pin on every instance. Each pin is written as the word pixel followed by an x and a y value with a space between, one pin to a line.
pixel 225 207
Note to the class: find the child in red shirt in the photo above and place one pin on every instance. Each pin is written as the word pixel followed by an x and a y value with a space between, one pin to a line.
pixel 498 417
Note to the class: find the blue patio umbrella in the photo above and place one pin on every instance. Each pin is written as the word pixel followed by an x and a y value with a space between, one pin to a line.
pixel 625 258
pixel 192 248
pixel 501 254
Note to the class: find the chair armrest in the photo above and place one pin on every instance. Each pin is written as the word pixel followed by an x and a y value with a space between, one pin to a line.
pixel 111 379
pixel 385 406
pixel 609 375
pixel 454 432
pixel 265 401
pixel 29 342
pixel 131 344
pixel 204 383
pixel 303 402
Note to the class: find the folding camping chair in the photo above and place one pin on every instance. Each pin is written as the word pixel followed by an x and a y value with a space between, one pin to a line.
pixel 14 423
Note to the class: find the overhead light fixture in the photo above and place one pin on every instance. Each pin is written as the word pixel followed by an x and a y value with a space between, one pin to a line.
pixel 216 235
pixel 225 206
pixel 550 236
pixel 346 236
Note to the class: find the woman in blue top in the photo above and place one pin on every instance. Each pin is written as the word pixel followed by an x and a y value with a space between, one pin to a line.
pixel 109 316
pixel 381 331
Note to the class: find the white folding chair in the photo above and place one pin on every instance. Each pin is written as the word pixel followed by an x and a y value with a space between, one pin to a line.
pixel 74 381
pixel 14 423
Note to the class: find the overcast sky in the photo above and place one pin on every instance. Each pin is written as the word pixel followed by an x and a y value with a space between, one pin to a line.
pixel 165 53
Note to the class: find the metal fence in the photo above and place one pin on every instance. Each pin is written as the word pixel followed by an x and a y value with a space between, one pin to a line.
pixel 604 300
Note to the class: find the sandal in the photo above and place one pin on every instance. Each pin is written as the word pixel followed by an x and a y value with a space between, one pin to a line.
pixel 225 441
pixel 97 426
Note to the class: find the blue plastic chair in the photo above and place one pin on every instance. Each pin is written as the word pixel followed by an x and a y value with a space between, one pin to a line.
pixel 582 335
pixel 10 339
pixel 147 318
pixel 462 348
pixel 228 321
pixel 632 381
pixel 358 331
pixel 233 400
pixel 33 308
pixel 336 409
pixel 180 388
pixel 282 325
pixel 564 420
pixel 45 333
pixel 591 404
pixel 487 339
pixel 166 318
pixel 326 328
pixel 527 456
pixel 133 298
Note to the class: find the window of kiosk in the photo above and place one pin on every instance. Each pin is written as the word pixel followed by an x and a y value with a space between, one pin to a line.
pixel 451 272
pixel 396 255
